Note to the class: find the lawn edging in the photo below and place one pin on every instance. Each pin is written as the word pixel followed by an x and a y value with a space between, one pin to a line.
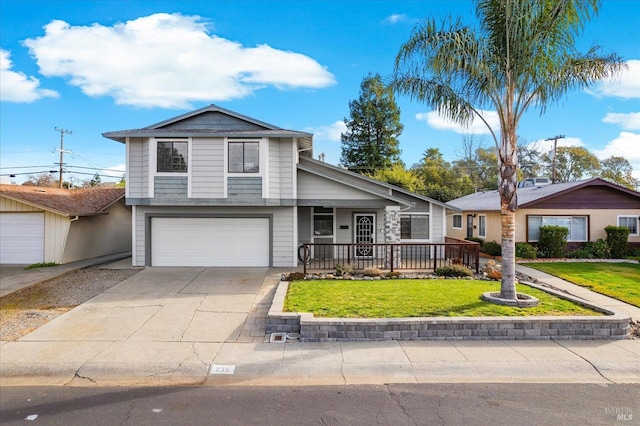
pixel 311 329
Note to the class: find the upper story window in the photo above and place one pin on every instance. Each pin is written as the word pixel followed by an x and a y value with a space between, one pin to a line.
pixel 244 157
pixel 172 156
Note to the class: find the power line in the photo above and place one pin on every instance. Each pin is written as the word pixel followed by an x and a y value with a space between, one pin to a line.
pixel 62 151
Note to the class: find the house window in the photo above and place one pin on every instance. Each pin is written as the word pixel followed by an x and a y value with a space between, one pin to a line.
pixel 244 157
pixel 577 226
pixel 414 227
pixel 457 221
pixel 322 221
pixel 482 226
pixel 630 222
pixel 172 156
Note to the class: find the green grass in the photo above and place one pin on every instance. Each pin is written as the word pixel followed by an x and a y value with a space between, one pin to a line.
pixel 618 280
pixel 41 265
pixel 414 298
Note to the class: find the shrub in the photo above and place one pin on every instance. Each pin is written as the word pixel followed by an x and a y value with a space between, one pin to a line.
pixel 617 239
pixel 552 241
pixel 526 251
pixel 295 276
pixel 599 249
pixel 371 272
pixel 492 248
pixel 475 240
pixel 344 269
pixel 394 274
pixel 495 274
pixel 453 271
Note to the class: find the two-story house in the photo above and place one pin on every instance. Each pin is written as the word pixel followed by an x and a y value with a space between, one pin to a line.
pixel 216 188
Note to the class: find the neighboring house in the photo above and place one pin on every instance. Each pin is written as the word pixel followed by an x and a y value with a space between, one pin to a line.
pixel 585 207
pixel 216 188
pixel 39 224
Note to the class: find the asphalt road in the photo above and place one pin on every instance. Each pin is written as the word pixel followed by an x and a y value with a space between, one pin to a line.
pixel 428 404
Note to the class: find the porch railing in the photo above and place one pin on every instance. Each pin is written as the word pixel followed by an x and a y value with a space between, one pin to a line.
pixel 390 256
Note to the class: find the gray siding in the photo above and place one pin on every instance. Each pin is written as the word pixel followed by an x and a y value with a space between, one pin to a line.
pixel 213 121
pixel 281 168
pixel 244 187
pixel 318 188
pixel 207 164
pixel 138 167
pixel 283 248
pixel 275 168
pixel 170 187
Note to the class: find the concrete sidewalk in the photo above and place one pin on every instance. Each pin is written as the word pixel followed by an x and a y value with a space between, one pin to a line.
pixel 207 326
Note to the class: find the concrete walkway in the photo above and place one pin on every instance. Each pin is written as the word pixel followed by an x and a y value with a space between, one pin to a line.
pixel 15 277
pixel 207 326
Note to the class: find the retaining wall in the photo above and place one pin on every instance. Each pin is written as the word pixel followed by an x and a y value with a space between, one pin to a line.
pixel 609 326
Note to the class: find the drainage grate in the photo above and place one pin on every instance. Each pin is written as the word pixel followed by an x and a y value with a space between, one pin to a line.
pixel 278 338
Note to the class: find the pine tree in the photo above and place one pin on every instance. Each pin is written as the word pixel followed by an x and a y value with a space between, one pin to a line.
pixel 371 141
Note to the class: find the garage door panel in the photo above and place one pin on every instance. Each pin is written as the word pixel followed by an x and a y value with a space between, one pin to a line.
pixel 210 241
pixel 21 238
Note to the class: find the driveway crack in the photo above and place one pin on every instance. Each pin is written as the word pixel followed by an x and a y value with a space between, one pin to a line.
pixel 587 361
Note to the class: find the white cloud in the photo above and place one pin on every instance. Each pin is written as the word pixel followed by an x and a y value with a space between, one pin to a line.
pixel 331 132
pixel 545 146
pixel 167 61
pixel 395 18
pixel 18 87
pixel 626 145
pixel 625 85
pixel 437 121
pixel 630 121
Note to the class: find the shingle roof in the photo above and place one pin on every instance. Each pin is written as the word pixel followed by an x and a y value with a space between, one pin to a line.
pixel 66 202
pixel 490 200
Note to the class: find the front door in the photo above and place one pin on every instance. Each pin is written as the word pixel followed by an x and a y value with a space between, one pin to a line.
pixel 469 226
pixel 364 234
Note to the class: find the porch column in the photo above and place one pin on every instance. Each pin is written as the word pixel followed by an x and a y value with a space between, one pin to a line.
pixel 392 235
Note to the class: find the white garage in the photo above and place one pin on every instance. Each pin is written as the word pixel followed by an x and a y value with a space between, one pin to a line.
pixel 213 241
pixel 21 238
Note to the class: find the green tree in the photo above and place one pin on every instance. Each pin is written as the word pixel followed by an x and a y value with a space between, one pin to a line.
pixel 618 170
pixel 399 176
pixel 95 180
pixel 572 163
pixel 440 180
pixel 371 141
pixel 522 55
pixel 529 159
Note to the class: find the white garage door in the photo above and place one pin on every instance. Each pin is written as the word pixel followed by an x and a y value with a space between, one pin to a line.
pixel 209 241
pixel 21 238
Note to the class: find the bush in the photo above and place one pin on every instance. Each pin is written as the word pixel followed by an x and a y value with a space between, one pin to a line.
pixel 526 251
pixel 372 272
pixel 453 271
pixel 394 274
pixel 552 241
pixel 344 269
pixel 617 239
pixel 492 248
pixel 295 276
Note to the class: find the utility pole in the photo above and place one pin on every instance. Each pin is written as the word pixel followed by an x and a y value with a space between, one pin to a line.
pixel 62 151
pixel 555 149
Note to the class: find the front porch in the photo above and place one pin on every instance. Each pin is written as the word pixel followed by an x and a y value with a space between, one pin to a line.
pixel 389 256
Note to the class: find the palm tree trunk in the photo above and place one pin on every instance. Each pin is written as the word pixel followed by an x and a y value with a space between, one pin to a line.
pixel 508 206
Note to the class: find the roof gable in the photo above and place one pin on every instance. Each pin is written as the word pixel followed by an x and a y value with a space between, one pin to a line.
pixel 65 202
pixel 592 193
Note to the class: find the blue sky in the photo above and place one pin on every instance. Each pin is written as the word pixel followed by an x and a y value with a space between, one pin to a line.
pixel 97 66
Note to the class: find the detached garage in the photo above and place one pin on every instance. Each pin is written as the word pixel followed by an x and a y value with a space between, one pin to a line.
pixel 39 224
pixel 210 241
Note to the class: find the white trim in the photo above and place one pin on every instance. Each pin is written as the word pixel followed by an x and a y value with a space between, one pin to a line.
pixel 296 241
pixel 453 226
pixel 189 165
pixel 151 166
pixel 480 216
pixel 153 163
pixel 127 167
pixel 637 219
pixel 134 256
pixel 263 166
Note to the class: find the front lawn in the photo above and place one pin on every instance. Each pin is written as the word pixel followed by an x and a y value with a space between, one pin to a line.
pixel 415 298
pixel 618 280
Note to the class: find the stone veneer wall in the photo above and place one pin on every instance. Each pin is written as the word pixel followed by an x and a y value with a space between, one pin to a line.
pixel 311 329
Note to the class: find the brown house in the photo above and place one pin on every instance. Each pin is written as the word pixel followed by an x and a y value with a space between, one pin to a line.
pixel 585 207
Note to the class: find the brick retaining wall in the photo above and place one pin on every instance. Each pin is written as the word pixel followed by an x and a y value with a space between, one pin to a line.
pixel 312 329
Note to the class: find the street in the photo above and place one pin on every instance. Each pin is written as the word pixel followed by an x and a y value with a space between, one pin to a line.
pixel 401 404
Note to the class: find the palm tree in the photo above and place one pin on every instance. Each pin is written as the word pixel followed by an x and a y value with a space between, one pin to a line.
pixel 522 55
